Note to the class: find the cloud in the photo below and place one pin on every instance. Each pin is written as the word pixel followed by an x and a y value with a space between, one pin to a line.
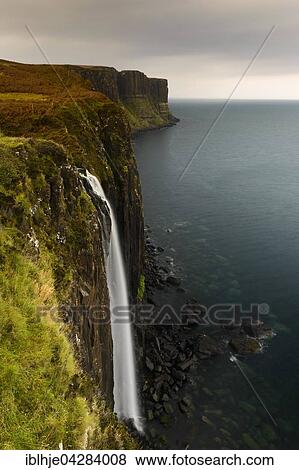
pixel 195 39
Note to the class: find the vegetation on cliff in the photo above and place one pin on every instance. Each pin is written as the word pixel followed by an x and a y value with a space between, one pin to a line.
pixel 54 371
pixel 143 99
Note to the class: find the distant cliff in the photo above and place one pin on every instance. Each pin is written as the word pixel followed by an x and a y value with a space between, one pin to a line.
pixel 145 99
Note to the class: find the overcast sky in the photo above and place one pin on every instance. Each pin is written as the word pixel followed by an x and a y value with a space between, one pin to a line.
pixel 201 46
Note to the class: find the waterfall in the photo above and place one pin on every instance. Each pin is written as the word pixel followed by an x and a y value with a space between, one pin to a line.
pixel 124 372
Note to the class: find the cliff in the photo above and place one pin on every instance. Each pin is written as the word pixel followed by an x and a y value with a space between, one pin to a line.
pixel 145 100
pixel 49 133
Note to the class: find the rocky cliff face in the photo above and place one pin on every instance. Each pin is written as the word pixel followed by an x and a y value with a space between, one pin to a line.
pixel 50 136
pixel 144 99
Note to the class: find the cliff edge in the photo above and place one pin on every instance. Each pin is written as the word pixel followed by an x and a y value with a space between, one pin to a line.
pixel 144 99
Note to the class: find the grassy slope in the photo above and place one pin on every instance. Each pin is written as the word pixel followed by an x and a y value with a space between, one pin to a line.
pixel 46 398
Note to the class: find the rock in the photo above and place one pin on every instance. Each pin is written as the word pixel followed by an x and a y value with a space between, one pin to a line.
pixel 257 329
pixel 221 392
pixel 150 415
pixel 245 345
pixel 166 420
pixel 165 397
pixel 183 408
pixel 168 408
pixel 249 441
pixel 152 433
pixel 178 375
pixel 83 292
pixel 209 346
pixel 207 421
pixel 187 401
pixel 207 391
pixel 214 412
pixel 269 433
pixel 173 281
pixel 163 269
pixel 218 441
pixel 149 364
pixel 247 407
pixel 225 432
pixel 182 357
pixel 186 364
pixel 181 289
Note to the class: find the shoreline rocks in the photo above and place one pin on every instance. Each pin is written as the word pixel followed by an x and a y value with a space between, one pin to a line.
pixel 173 353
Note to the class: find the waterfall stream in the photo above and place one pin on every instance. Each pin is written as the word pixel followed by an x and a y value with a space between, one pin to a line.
pixel 124 371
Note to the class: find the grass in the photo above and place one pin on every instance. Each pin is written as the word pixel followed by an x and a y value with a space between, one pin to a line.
pixel 22 97
pixel 44 396
pixel 45 399
pixel 37 367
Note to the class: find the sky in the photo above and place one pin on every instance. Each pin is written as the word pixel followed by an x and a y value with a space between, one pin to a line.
pixel 201 46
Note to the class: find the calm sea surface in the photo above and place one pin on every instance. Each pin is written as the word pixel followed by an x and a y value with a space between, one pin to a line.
pixel 234 222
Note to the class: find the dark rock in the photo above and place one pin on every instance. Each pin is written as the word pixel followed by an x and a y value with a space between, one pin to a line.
pixel 183 408
pixel 207 421
pixel 186 364
pixel 151 301
pixel 164 269
pixel 187 401
pixel 209 346
pixel 149 364
pixel 256 329
pixel 181 289
pixel 178 375
pixel 173 281
pixel 168 408
pixel 182 357
pixel 245 345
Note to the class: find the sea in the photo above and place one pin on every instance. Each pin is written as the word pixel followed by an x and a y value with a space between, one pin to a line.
pixel 231 224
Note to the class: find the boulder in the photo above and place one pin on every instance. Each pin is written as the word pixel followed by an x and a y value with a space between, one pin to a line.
pixel 186 364
pixel 149 364
pixel 173 281
pixel 245 345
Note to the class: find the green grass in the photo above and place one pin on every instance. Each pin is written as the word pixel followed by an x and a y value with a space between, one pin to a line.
pixel 37 367
pixel 45 399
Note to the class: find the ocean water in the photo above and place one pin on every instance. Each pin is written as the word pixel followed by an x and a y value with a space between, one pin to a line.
pixel 234 221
